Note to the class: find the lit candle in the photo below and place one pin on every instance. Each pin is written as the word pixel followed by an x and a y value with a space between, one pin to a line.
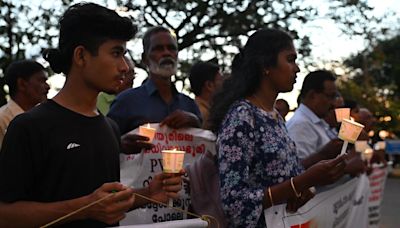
pixel 172 160
pixel 349 132
pixel 147 131
pixel 172 163
pixel 342 113
pixel 367 155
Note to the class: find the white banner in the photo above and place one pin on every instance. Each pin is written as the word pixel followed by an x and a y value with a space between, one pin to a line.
pixel 377 181
pixel 355 203
pixel 331 208
pixel 192 223
pixel 138 170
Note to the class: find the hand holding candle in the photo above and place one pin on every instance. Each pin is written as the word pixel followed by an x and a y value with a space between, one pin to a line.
pixel 146 130
pixel 349 132
pixel 172 163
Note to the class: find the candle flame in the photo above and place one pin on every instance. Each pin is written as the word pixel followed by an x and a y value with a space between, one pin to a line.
pixel 148 125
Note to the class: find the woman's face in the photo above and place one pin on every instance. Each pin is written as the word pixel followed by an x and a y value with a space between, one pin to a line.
pixel 283 76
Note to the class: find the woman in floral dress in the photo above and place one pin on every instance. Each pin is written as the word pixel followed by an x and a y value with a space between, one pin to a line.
pixel 257 160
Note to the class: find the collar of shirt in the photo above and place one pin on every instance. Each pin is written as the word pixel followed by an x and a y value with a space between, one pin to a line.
pixel 14 107
pixel 152 89
pixel 108 97
pixel 310 115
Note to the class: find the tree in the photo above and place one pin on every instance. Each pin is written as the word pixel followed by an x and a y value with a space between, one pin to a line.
pixel 212 28
pixel 25 28
pixel 217 27
pixel 375 81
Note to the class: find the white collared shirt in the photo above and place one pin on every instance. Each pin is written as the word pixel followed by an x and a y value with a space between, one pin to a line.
pixel 308 131
pixel 7 113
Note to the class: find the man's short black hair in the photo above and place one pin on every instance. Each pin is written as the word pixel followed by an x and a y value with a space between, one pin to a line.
pixel 89 25
pixel 200 73
pixel 315 81
pixel 23 69
pixel 151 31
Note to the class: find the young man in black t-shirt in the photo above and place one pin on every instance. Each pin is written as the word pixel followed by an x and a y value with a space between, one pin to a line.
pixel 63 154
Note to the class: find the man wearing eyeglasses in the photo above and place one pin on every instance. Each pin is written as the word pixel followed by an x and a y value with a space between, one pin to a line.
pixel 307 127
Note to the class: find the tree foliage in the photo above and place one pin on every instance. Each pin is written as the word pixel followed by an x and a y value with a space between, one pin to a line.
pixel 375 80
pixel 212 28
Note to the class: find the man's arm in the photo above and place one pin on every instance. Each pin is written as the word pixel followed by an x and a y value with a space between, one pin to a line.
pixel 329 151
pixel 35 214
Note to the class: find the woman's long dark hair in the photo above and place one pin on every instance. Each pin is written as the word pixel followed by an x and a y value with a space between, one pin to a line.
pixel 260 51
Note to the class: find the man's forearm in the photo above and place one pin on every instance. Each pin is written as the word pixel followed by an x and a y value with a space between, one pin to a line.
pixel 312 159
pixel 35 214
pixel 140 201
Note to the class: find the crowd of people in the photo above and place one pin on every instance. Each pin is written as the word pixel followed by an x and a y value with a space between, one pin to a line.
pixel 60 154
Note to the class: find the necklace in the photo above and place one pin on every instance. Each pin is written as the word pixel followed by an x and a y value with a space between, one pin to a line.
pixel 272 112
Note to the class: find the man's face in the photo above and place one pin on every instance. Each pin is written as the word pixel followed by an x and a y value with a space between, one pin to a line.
pixel 283 75
pixel 216 84
pixel 106 70
pixel 37 87
pixel 162 54
pixel 129 77
pixel 324 101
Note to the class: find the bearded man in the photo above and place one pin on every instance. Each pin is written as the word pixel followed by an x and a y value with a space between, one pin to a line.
pixel 157 100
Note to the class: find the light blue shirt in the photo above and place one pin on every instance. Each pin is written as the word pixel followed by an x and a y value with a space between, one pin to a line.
pixel 308 131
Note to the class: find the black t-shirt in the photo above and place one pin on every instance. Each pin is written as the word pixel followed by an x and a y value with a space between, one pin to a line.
pixel 52 154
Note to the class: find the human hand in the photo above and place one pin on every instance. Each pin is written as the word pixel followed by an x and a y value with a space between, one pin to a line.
pixel 113 208
pixel 326 171
pixel 293 204
pixel 332 149
pixel 181 119
pixel 355 166
pixel 133 143
pixel 165 186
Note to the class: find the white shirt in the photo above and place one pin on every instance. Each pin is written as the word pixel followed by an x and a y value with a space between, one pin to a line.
pixel 7 113
pixel 308 131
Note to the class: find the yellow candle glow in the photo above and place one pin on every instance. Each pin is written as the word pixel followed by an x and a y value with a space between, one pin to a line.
pixel 350 130
pixel 342 113
pixel 172 160
pixel 147 131
pixel 367 155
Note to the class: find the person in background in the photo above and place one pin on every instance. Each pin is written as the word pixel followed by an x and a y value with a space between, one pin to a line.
pixel 283 107
pixel 205 79
pixel 26 80
pixel 63 155
pixel 104 99
pixel 307 127
pixel 156 100
pixel 257 160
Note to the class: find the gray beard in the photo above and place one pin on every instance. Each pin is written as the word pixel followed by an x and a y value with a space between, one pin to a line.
pixel 166 70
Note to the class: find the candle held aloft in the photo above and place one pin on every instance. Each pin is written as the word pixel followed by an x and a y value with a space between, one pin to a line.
pixel 146 130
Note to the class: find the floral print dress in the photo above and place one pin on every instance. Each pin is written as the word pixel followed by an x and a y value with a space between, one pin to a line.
pixel 254 152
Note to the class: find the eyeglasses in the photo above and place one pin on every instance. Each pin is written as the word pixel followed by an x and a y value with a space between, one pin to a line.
pixel 331 96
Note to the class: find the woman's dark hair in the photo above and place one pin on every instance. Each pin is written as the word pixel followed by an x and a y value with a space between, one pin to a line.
pixel 261 51
pixel 89 25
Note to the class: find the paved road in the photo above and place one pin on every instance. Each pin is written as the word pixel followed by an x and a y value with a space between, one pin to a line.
pixel 390 212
